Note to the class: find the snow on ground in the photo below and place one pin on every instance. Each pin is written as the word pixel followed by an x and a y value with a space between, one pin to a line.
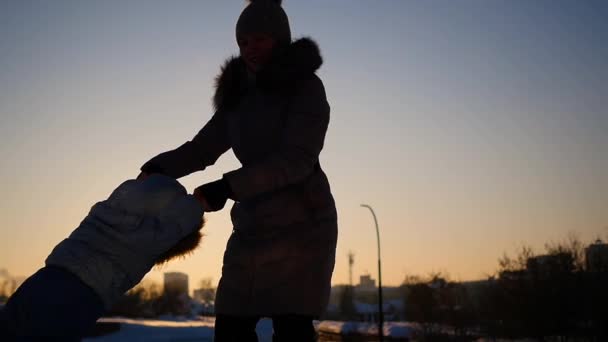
pixel 201 329
pixel 392 329
pixel 170 329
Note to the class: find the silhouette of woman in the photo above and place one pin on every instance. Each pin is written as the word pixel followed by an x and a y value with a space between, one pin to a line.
pixel 271 109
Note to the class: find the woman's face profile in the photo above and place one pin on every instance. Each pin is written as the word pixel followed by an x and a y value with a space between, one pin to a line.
pixel 256 49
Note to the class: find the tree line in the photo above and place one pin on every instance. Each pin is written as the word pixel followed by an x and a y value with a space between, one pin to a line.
pixel 551 295
pixel 558 294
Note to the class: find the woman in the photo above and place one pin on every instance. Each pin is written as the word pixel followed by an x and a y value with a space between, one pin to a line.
pixel 272 111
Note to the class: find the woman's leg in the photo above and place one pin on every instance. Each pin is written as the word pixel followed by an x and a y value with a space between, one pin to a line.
pixel 293 328
pixel 235 328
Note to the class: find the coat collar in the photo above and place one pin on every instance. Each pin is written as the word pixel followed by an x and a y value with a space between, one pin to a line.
pixel 290 64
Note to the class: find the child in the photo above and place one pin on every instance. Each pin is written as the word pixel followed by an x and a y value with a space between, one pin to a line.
pixel 142 223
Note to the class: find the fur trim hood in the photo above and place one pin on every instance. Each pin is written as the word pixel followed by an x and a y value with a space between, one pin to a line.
pixel 290 64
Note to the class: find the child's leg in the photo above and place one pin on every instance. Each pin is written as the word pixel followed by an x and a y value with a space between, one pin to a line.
pixel 293 328
pixel 51 303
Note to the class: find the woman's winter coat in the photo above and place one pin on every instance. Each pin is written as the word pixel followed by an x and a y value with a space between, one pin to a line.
pixel 280 256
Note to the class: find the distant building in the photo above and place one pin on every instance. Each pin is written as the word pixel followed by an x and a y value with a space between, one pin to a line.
pixel 368 312
pixel 366 283
pixel 366 302
pixel 596 257
pixel 176 283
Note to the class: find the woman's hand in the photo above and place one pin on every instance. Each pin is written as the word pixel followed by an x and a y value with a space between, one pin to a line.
pixel 198 194
pixel 213 196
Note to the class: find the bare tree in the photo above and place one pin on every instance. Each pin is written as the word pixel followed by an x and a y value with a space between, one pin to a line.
pixel 9 286
pixel 518 263
pixel 571 245
pixel 207 290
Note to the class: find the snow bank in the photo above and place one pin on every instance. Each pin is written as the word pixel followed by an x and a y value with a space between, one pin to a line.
pixel 156 330
pixel 170 329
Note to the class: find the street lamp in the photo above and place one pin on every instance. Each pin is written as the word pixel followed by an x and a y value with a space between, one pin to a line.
pixel 380 311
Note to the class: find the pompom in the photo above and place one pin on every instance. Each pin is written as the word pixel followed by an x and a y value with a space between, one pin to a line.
pixel 278 2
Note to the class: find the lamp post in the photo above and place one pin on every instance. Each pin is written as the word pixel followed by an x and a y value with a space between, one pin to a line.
pixel 380 311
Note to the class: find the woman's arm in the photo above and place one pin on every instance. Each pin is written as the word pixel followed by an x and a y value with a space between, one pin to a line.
pixel 194 155
pixel 295 159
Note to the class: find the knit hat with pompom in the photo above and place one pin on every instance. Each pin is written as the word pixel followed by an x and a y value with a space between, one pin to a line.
pixel 265 16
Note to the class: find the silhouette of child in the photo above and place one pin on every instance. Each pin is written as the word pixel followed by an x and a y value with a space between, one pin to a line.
pixel 142 223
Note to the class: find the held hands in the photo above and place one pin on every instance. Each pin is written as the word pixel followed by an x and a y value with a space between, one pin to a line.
pixel 213 196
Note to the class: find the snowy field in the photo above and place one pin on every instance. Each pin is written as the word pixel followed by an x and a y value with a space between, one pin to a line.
pixel 174 330
pixel 395 330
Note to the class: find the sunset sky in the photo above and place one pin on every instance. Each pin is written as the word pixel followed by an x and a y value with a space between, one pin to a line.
pixel 470 126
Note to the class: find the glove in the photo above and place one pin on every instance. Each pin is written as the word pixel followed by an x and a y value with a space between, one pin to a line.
pixel 215 193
